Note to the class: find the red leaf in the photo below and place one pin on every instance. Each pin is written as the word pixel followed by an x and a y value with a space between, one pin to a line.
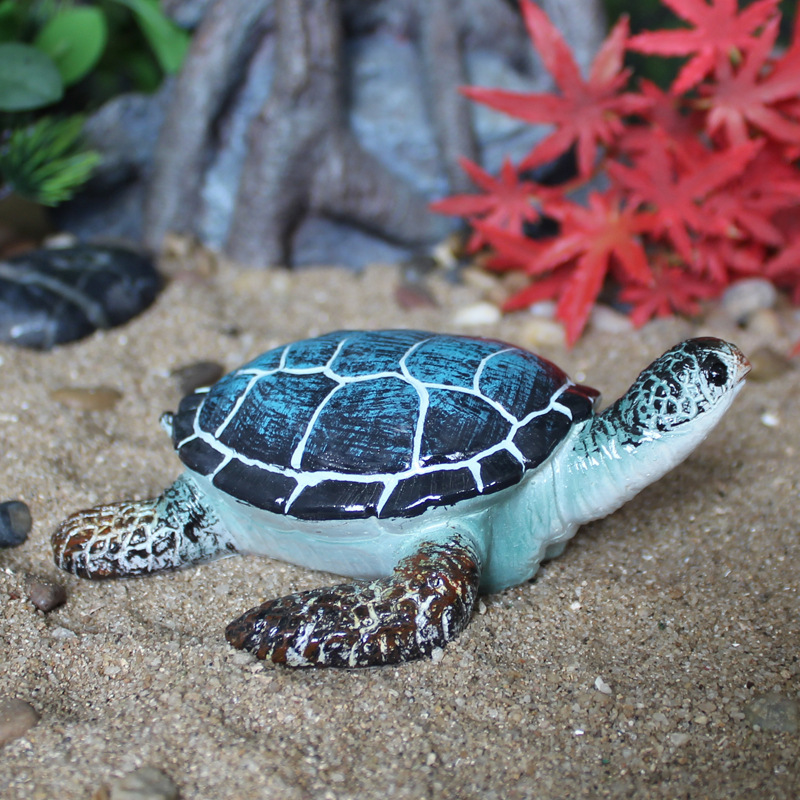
pixel 672 289
pixel 591 239
pixel 664 119
pixel 748 203
pixel 545 288
pixel 748 95
pixel 586 112
pixel 784 268
pixel 507 204
pixel 717 33
pixel 673 187
pixel 513 251
pixel 722 259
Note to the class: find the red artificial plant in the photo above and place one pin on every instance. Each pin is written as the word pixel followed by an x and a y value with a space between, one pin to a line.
pixel 701 179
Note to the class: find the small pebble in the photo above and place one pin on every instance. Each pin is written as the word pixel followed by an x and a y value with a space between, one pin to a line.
pixel 94 398
pixel 477 314
pixel 60 240
pixel 768 364
pixel 770 419
pixel 741 300
pixel 481 280
pixel 15 523
pixel 146 783
pixel 678 739
pixel 16 717
pixel 540 332
pixel 765 325
pixel 607 320
pixel 410 296
pixel 45 595
pixel 601 685
pixel 243 657
pixel 200 373
pixel 773 712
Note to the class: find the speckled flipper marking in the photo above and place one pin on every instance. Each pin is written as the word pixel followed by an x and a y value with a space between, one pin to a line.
pixel 424 604
pixel 140 537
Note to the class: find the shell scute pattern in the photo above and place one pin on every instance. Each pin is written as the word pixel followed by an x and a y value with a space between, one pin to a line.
pixel 303 355
pixel 457 427
pixel 388 423
pixel 380 352
pixel 269 424
pixel 379 441
pixel 447 364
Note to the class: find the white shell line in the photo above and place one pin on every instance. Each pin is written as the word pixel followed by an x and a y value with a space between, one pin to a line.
pixel 236 406
pixel 299 451
pixel 424 402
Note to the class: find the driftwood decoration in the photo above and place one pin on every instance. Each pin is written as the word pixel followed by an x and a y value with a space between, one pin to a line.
pixel 303 157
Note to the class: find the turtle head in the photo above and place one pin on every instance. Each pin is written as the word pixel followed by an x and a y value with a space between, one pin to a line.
pixel 684 393
pixel 671 407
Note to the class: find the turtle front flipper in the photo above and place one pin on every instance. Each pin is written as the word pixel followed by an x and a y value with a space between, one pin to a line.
pixel 424 604
pixel 141 537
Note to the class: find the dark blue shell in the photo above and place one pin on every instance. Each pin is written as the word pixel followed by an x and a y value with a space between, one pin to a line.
pixel 357 424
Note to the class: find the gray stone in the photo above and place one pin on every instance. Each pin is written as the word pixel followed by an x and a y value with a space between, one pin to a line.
pixel 56 295
pixel 223 174
pixel 388 113
pixel 124 131
pixel 186 13
pixel 320 241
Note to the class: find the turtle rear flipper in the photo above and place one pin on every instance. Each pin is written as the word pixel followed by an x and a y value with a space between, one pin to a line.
pixel 424 604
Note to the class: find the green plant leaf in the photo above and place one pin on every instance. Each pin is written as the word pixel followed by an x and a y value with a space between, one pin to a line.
pixel 10 20
pixel 43 162
pixel 28 78
pixel 75 39
pixel 169 42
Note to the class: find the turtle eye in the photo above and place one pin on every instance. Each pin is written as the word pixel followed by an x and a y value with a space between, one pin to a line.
pixel 715 371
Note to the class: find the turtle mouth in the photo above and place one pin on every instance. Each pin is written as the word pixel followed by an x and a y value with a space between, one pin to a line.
pixel 743 365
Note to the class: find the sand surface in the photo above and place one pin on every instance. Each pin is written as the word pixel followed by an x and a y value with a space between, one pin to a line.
pixel 684 604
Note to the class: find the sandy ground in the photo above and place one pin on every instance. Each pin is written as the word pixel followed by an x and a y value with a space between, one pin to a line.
pixel 684 603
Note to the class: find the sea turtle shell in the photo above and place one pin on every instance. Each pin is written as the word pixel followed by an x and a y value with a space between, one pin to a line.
pixel 358 424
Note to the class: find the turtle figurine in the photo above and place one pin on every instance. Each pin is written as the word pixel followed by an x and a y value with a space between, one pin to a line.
pixel 428 467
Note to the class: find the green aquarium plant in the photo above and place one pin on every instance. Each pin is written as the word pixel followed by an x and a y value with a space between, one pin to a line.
pixel 59 59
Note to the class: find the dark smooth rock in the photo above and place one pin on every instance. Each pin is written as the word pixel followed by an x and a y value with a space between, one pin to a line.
pixel 57 295
pixel 45 595
pixel 15 523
